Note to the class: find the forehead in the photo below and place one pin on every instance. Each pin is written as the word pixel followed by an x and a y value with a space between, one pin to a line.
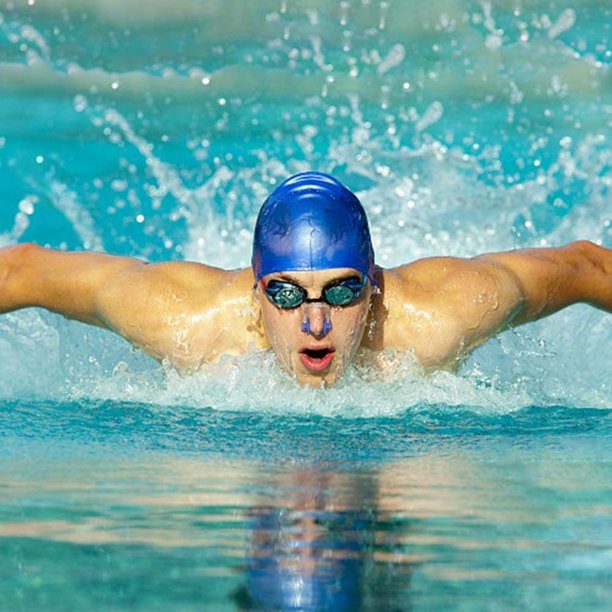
pixel 313 278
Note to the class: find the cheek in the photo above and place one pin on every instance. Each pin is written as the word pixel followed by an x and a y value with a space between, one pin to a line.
pixel 278 325
pixel 350 326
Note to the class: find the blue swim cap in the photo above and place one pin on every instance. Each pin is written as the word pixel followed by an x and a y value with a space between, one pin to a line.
pixel 311 221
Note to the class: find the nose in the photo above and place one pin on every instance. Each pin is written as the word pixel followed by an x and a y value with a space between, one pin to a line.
pixel 316 319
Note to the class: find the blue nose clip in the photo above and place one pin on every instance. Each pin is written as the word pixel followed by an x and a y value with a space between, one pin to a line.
pixel 306 325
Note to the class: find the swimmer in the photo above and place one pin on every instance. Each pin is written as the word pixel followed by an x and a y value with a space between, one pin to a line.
pixel 313 293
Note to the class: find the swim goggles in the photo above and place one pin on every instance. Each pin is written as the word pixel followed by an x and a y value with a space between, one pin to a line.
pixel 288 295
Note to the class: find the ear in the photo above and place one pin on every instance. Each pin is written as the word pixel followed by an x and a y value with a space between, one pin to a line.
pixel 257 290
pixel 256 325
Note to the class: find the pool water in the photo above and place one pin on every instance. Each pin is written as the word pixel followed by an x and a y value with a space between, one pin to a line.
pixel 156 132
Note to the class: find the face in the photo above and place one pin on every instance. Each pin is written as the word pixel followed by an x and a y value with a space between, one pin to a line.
pixel 301 337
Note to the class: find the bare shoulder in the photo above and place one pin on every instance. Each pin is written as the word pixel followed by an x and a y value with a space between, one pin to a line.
pixel 177 310
pixel 442 307
pixel 174 281
pixel 440 279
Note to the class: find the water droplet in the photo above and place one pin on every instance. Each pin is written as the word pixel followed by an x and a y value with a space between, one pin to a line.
pixel 79 103
pixel 26 206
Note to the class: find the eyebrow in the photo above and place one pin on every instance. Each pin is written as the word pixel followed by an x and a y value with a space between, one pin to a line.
pixel 287 277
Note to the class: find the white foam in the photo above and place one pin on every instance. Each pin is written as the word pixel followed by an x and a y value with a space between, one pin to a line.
pixel 520 369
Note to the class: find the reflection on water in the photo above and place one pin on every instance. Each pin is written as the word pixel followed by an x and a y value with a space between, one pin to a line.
pixel 154 509
pixel 318 549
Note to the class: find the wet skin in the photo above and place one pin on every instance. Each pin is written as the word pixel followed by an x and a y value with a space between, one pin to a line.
pixel 316 358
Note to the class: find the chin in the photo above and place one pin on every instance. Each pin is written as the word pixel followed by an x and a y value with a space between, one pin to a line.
pixel 312 379
pixel 316 381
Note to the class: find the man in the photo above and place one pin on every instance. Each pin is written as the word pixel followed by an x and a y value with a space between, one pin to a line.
pixel 313 294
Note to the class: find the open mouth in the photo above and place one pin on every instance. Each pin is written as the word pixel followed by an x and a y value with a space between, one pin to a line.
pixel 316 360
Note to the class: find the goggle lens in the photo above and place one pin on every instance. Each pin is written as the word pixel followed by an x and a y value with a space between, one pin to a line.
pixel 343 292
pixel 285 295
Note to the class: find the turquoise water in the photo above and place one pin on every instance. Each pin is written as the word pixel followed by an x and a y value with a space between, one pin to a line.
pixel 155 130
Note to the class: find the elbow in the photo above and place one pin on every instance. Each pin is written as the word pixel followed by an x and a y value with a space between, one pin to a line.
pixel 599 258
pixel 583 247
pixel 589 250
pixel 13 258
pixel 594 266
pixel 18 250
pixel 13 262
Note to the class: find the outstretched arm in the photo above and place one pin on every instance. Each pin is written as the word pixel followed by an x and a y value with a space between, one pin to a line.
pixel 443 307
pixel 157 307
pixel 550 279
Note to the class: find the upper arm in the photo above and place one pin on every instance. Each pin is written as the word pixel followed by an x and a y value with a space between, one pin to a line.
pixel 63 282
pixel 493 291
pixel 167 309
pixel 123 294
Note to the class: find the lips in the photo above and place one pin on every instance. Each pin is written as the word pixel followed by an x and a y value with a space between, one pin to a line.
pixel 316 360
